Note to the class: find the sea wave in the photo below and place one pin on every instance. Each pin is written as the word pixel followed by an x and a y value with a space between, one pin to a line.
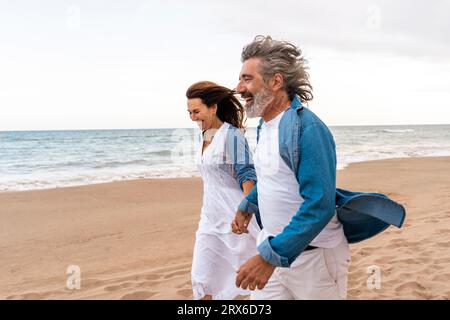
pixel 59 159
pixel 397 130
pixel 79 179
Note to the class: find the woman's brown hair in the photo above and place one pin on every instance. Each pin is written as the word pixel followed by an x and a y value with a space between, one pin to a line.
pixel 229 109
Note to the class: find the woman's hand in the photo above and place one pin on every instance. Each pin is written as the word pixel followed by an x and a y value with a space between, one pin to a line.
pixel 240 222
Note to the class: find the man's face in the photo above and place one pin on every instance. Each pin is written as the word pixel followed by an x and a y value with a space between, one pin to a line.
pixel 252 89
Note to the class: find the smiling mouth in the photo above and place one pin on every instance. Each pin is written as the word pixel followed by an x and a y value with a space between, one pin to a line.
pixel 248 100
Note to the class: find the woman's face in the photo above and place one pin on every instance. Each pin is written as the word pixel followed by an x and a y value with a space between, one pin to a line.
pixel 199 112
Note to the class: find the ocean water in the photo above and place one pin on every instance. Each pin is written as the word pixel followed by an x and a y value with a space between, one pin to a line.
pixel 48 159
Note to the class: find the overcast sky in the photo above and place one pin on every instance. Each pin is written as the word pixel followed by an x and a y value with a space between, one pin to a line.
pixel 127 64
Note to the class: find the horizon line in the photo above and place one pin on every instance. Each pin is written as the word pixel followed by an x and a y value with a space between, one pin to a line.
pixel 167 128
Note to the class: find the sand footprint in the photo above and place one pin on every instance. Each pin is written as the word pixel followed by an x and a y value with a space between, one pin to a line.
pixel 401 243
pixel 432 220
pixel 138 295
pixel 411 285
pixel 442 278
pixel 29 296
pixel 423 295
pixel 121 286
pixel 444 244
pixel 442 231
pixel 91 283
pixel 184 284
pixel 441 260
pixel 139 277
pixel 148 284
pixel 153 277
pixel 176 273
pixel 354 293
pixel 176 267
pixel 384 259
pixel 185 293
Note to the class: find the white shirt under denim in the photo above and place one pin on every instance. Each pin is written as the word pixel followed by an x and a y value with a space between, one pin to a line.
pixel 315 273
pixel 278 196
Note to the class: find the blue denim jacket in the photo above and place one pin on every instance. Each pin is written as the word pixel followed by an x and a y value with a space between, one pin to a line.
pixel 306 145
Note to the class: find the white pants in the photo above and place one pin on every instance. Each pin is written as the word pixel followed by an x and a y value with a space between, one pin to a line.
pixel 318 274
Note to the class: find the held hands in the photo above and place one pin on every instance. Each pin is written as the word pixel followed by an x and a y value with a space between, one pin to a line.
pixel 240 222
pixel 255 273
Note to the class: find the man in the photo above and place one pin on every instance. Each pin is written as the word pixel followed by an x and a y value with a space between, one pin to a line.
pixel 303 252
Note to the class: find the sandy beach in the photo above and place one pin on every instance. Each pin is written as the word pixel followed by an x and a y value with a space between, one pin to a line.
pixel 134 239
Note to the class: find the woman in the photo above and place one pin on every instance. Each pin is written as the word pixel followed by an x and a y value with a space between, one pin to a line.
pixel 228 175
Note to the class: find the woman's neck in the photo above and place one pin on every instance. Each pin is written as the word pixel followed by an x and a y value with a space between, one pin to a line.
pixel 216 125
pixel 208 134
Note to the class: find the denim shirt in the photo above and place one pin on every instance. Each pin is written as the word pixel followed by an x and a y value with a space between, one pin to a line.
pixel 238 156
pixel 307 147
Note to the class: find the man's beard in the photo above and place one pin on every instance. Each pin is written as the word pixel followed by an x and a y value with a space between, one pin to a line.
pixel 260 102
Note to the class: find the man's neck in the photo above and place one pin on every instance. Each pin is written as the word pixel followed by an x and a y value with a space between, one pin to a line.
pixel 278 105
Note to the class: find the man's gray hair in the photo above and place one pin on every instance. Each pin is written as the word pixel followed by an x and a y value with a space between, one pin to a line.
pixel 284 58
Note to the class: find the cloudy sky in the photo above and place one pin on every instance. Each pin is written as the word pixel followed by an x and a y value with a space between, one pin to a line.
pixel 127 64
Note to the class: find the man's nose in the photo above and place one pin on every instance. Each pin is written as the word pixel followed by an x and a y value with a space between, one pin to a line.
pixel 240 88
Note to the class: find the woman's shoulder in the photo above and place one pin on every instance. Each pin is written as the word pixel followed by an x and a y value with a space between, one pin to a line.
pixel 236 133
pixel 235 130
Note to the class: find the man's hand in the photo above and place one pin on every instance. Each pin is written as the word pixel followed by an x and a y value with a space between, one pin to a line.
pixel 240 222
pixel 254 273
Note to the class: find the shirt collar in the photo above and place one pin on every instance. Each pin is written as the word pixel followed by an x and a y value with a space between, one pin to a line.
pixel 296 104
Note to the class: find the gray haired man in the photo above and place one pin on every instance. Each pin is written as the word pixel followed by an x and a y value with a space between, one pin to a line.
pixel 303 252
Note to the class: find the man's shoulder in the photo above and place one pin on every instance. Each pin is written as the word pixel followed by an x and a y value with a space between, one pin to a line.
pixel 306 115
pixel 306 118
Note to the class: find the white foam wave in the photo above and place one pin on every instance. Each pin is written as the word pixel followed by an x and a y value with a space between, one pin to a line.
pixel 397 130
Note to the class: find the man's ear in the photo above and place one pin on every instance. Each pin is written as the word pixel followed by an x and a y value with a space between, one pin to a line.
pixel 277 82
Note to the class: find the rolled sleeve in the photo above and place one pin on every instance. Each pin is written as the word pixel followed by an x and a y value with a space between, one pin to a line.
pixel 239 155
pixel 250 204
pixel 247 206
pixel 268 254
pixel 245 173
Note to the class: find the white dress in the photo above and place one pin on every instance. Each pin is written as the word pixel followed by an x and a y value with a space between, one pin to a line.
pixel 218 252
